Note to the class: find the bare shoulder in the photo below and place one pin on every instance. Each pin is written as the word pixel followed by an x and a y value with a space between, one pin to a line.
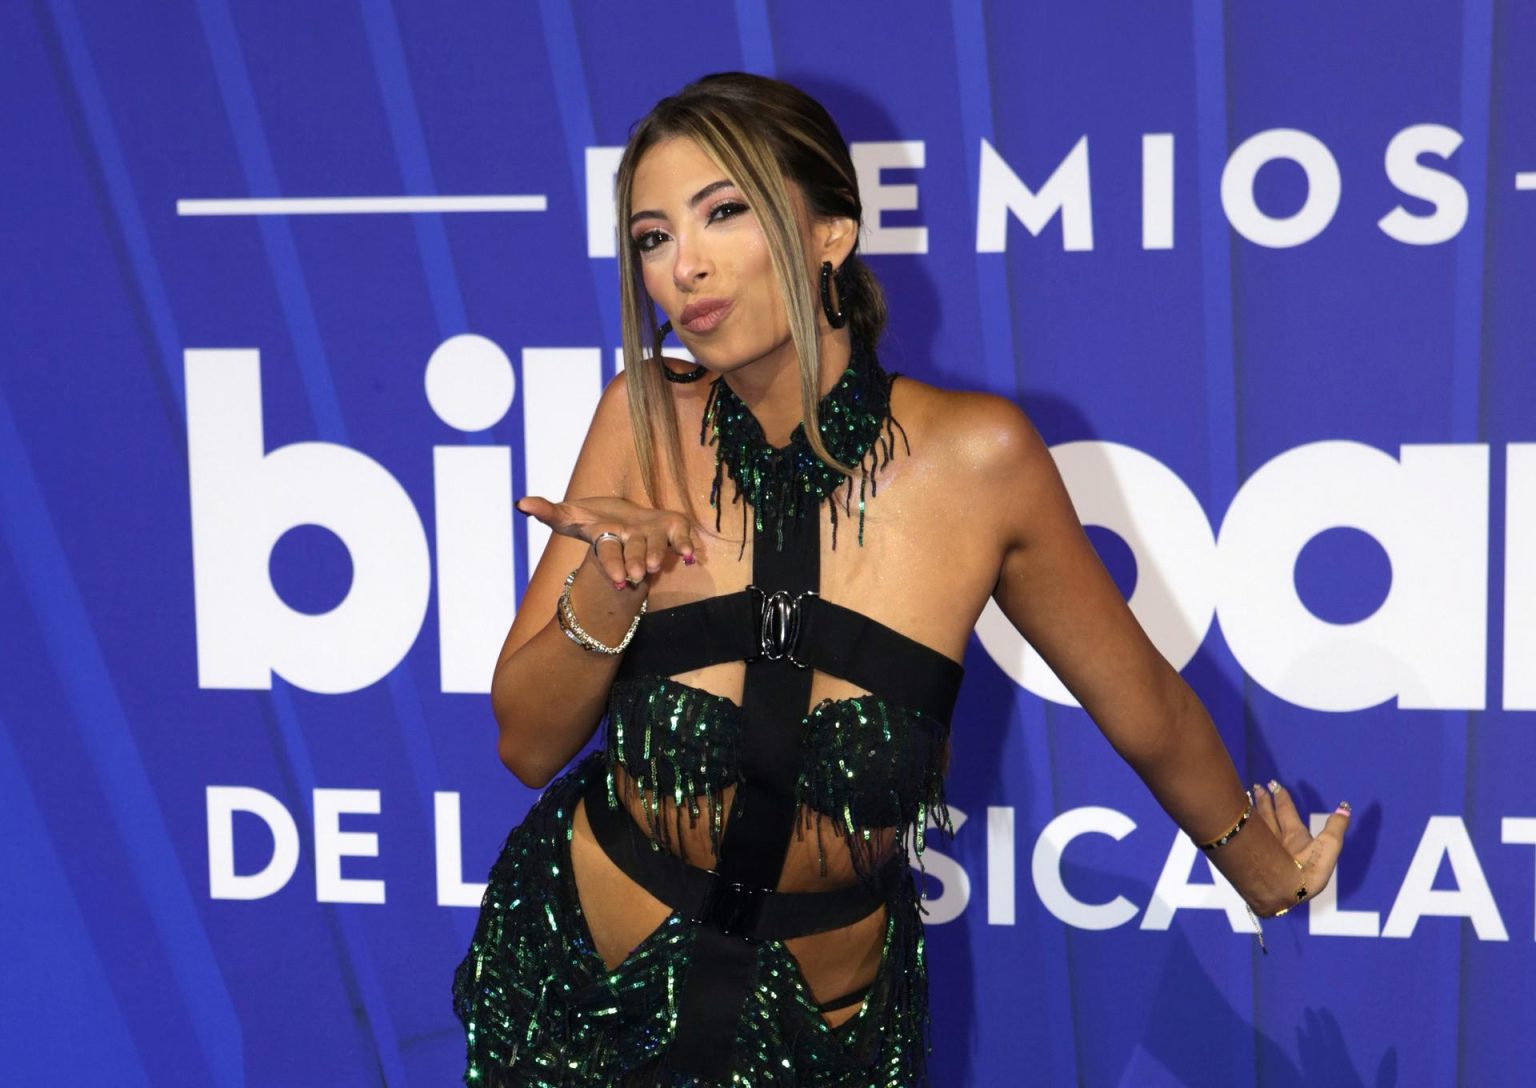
pixel 606 464
pixel 614 421
pixel 615 397
pixel 975 431
pixel 980 447
pixel 687 401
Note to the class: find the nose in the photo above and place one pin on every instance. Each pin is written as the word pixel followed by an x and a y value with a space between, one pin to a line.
pixel 690 265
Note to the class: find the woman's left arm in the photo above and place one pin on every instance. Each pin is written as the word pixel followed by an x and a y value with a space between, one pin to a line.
pixel 1053 587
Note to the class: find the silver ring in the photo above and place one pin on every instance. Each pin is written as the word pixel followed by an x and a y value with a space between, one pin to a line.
pixel 604 536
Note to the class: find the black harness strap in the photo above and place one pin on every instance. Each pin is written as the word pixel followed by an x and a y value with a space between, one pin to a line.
pixel 832 638
pixel 692 636
pixel 867 653
pixel 697 893
pixel 756 840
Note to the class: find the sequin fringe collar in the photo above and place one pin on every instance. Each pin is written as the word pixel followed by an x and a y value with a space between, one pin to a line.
pixel 792 481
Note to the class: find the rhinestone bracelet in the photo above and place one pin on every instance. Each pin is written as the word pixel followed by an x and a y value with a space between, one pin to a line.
pixel 565 615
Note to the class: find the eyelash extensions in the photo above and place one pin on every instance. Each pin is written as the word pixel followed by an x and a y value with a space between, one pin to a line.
pixel 640 239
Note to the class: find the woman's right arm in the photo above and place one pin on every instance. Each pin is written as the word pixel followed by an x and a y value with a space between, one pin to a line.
pixel 547 693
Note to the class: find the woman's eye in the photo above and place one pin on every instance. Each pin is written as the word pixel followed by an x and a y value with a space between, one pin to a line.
pixel 643 241
pixel 736 208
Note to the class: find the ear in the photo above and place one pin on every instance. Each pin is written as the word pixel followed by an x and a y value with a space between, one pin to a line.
pixel 835 238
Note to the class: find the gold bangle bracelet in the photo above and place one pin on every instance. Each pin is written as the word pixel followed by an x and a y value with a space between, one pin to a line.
pixel 565 616
pixel 1221 840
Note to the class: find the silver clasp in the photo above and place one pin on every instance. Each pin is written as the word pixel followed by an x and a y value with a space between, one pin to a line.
pixel 779 624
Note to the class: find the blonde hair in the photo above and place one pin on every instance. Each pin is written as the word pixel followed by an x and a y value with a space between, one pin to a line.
pixel 758 131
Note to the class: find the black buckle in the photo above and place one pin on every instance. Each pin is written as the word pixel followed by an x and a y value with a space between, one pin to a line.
pixel 778 624
pixel 733 907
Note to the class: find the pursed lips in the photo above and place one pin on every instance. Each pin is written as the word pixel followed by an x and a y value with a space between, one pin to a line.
pixel 696 310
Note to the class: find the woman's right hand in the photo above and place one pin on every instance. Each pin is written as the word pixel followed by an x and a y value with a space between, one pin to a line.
pixel 644 533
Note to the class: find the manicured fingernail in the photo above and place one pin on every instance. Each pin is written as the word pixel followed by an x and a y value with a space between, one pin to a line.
pixel 1343 808
pixel 1257 789
pixel 1274 787
pixel 688 559
pixel 620 585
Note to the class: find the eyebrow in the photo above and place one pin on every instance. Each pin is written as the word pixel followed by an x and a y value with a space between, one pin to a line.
pixel 651 213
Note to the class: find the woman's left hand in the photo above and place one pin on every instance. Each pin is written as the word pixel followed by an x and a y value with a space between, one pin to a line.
pixel 1316 856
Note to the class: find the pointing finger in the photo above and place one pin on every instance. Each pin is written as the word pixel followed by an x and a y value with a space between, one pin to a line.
pixel 557 515
pixel 534 506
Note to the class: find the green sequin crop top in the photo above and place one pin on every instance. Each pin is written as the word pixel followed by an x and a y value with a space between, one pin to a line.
pixel 865 762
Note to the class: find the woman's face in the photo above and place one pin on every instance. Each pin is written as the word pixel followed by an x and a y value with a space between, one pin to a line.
pixel 699 242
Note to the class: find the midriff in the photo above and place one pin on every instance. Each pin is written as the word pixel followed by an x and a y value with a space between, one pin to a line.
pixel 620 913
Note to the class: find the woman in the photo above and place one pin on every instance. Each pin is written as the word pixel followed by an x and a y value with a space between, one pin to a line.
pixel 721 893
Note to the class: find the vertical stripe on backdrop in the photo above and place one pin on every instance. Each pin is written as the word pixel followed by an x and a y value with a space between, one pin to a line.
pixel 410 144
pixel 1468 424
pixel 994 315
pixel 1223 407
pixel 370 1005
pixel 118 182
pixel 28 531
pixel 574 102
pixel 1221 361
pixel 39 987
pixel 756 34
pixel 250 143
pixel 409 140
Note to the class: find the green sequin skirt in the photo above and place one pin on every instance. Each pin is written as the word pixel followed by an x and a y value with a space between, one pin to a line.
pixel 540 1008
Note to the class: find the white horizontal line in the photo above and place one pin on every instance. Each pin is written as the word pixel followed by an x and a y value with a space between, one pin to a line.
pixel 1526 180
pixel 358 205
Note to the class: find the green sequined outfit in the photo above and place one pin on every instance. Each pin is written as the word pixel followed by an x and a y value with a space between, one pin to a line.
pixel 538 1004
pixel 541 1009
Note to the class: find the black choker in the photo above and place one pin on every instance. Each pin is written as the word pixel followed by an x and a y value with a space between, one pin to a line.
pixel 683 377
pixel 791 481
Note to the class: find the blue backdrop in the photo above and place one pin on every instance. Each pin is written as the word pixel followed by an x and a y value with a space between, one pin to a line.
pixel 1259 273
